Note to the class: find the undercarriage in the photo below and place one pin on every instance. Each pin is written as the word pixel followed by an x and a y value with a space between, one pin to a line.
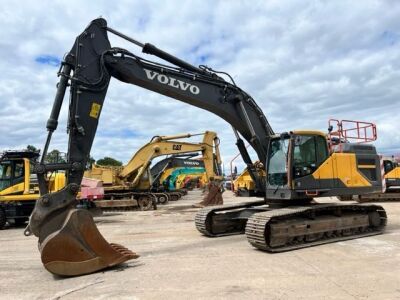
pixel 126 201
pixel 281 229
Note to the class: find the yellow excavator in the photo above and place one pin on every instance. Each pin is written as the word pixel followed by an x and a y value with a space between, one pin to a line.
pixel 298 164
pixel 392 173
pixel 131 185
pixel 391 192
pixel 18 186
pixel 244 186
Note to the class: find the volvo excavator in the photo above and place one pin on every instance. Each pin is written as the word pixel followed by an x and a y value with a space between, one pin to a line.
pixel 130 186
pixel 162 171
pixel 298 164
pixel 171 173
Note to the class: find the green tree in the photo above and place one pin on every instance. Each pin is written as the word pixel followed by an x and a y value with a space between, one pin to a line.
pixel 32 148
pixel 109 161
pixel 55 156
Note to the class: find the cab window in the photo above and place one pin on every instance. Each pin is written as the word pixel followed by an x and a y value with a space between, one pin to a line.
pixel 5 170
pixel 277 165
pixel 388 165
pixel 5 175
pixel 19 170
pixel 309 152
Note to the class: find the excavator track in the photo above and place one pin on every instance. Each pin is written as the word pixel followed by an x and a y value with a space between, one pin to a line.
pixel 206 219
pixel 392 196
pixel 145 201
pixel 299 227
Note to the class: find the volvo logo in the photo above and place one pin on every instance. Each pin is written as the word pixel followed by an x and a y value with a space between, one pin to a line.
pixel 176 83
pixel 195 163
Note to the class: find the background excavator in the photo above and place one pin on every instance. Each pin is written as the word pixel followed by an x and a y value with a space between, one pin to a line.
pixel 244 186
pixel 392 173
pixel 181 176
pixel 391 192
pixel 298 164
pixel 162 171
pixel 19 187
pixel 130 186
pixel 174 172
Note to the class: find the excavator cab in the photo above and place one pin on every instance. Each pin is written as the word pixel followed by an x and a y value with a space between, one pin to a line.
pixel 301 165
pixel 17 189
pixel 293 156
pixel 7 175
pixel 15 171
pixel 392 174
pixel 389 165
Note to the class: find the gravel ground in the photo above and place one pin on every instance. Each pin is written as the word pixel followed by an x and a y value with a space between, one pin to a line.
pixel 178 263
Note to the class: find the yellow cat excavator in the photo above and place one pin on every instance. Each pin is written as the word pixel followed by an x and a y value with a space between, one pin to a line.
pixel 298 163
pixel 130 185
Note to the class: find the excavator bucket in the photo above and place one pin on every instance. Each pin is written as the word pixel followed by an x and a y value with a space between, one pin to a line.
pixel 79 248
pixel 70 243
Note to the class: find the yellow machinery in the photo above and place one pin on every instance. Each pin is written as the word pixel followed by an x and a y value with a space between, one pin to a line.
pixel 391 168
pixel 392 174
pixel 244 186
pixel 18 186
pixel 130 185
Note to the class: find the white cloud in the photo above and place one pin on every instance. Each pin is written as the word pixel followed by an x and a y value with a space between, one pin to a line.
pixel 303 62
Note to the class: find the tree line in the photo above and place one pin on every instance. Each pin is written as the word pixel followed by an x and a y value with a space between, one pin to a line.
pixel 56 156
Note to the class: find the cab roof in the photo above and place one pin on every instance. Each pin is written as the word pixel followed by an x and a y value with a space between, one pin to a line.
pixel 19 154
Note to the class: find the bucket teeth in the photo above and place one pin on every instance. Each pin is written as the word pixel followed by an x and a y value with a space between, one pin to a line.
pixel 78 247
pixel 124 251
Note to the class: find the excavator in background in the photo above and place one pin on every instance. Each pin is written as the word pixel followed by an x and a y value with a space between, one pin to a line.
pixel 244 186
pixel 298 163
pixel 181 176
pixel 392 173
pixel 19 188
pixel 176 172
pixel 163 169
pixel 391 192
pixel 130 186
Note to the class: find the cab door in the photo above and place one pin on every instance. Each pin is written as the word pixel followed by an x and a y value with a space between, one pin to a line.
pixel 11 176
pixel 309 153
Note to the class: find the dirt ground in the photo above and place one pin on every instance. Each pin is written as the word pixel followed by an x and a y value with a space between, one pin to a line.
pixel 178 263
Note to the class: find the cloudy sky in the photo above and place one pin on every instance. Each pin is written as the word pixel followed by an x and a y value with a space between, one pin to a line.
pixel 302 61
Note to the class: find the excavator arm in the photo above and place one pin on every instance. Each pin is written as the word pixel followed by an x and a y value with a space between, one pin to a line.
pixel 87 70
